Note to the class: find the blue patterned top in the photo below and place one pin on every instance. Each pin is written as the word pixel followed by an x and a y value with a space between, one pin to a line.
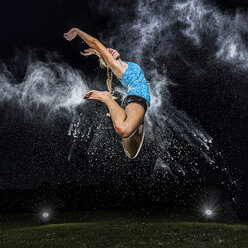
pixel 134 80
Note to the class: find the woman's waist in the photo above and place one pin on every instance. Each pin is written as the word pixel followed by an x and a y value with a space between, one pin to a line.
pixel 135 83
pixel 143 92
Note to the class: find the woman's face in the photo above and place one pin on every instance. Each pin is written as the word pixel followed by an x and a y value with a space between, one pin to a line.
pixel 114 53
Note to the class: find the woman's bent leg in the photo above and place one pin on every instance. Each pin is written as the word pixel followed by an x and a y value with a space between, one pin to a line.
pixel 125 121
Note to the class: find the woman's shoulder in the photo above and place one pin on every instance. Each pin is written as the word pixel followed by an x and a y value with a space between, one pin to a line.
pixel 133 64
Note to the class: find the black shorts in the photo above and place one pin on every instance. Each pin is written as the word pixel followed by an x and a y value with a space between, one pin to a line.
pixel 135 99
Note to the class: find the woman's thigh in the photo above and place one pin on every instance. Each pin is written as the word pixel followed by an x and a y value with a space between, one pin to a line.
pixel 135 115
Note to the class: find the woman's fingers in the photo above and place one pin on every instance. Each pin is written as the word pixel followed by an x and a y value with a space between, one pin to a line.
pixel 69 32
pixel 88 50
pixel 70 35
pixel 67 37
pixel 85 54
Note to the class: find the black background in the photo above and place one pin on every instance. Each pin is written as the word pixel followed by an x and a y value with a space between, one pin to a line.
pixel 40 25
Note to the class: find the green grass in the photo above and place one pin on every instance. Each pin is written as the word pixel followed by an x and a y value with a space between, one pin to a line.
pixel 119 230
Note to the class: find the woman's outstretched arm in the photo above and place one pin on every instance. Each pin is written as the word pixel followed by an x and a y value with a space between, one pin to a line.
pixel 96 45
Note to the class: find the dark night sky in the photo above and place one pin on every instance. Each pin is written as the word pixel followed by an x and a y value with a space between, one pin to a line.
pixel 213 96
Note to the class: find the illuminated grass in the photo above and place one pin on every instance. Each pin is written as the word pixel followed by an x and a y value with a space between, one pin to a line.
pixel 113 230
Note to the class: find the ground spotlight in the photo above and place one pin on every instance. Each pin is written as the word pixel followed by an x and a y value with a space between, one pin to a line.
pixel 208 207
pixel 209 212
pixel 45 211
pixel 45 215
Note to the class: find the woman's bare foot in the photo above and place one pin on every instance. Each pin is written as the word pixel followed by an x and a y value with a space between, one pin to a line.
pixel 96 95
pixel 133 143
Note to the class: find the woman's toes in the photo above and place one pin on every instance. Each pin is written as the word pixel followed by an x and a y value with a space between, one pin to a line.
pixel 88 93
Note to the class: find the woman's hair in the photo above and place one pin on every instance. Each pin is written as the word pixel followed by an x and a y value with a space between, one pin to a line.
pixel 109 74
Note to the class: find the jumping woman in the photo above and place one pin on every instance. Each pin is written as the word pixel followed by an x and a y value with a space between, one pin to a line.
pixel 128 121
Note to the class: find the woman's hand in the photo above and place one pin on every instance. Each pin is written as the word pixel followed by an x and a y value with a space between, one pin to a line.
pixel 71 34
pixel 90 51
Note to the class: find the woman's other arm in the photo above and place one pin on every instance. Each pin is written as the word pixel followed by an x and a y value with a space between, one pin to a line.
pixel 90 51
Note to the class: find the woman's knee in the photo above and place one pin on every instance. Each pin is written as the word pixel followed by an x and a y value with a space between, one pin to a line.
pixel 123 130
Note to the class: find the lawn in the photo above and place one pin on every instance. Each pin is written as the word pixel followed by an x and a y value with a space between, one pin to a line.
pixel 119 229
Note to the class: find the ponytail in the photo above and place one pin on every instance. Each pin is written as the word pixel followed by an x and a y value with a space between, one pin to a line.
pixel 109 74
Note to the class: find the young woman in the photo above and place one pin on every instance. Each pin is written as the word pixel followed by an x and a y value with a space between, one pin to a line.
pixel 128 121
